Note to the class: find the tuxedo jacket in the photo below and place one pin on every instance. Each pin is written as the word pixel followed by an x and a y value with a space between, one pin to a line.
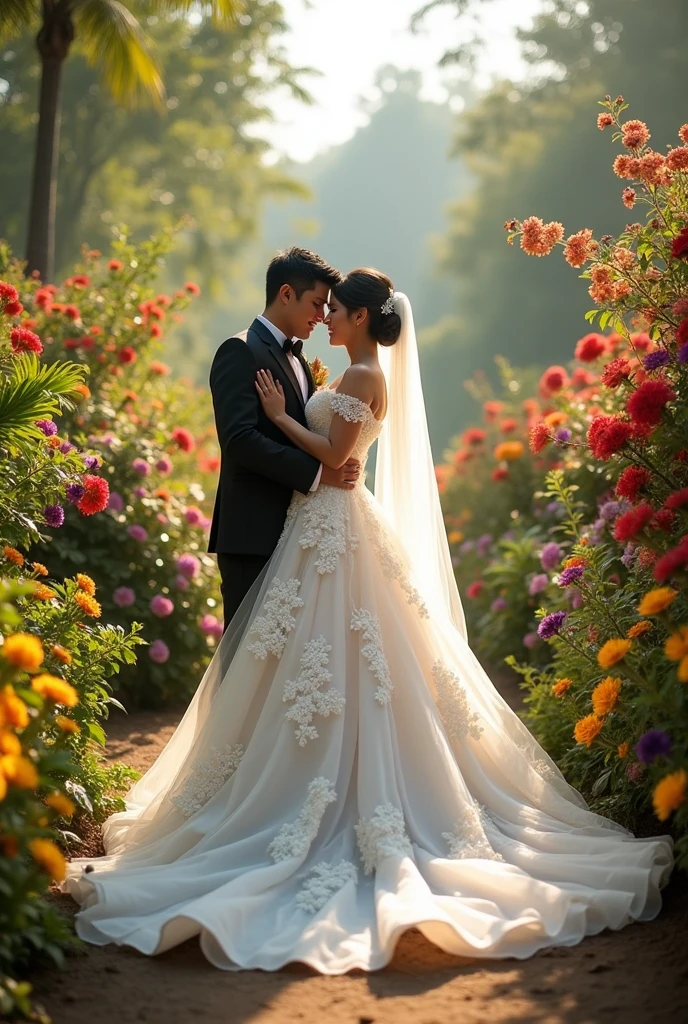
pixel 260 467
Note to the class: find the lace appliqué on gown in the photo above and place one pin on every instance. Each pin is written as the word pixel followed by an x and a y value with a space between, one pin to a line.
pixel 452 704
pixel 326 526
pixel 207 777
pixel 390 563
pixel 382 835
pixel 469 839
pixel 309 699
pixel 277 622
pixel 372 650
pixel 323 882
pixel 351 409
pixel 295 838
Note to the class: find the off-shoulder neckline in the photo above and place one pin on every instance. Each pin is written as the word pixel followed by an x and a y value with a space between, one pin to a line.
pixel 344 394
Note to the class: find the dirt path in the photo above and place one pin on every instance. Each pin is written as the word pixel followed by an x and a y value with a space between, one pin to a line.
pixel 636 976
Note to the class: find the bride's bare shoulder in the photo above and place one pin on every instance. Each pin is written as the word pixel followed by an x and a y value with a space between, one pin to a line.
pixel 362 381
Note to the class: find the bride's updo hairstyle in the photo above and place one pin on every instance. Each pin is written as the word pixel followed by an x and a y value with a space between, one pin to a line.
pixel 370 289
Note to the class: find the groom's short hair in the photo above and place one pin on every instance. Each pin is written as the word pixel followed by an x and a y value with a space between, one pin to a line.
pixel 299 268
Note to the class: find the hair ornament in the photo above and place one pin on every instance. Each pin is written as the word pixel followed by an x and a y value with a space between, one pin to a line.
pixel 387 306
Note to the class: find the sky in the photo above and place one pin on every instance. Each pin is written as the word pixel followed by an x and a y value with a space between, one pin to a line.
pixel 348 42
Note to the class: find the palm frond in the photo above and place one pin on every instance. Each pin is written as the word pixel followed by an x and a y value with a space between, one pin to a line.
pixel 16 16
pixel 115 41
pixel 34 391
pixel 222 12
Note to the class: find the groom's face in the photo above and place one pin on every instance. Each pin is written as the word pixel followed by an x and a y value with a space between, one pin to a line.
pixel 307 312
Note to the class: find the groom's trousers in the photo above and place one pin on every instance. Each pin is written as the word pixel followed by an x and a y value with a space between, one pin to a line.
pixel 237 574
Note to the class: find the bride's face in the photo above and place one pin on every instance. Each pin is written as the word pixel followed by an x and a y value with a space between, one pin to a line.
pixel 340 326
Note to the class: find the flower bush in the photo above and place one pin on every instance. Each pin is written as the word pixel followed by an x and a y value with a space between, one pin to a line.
pixel 607 681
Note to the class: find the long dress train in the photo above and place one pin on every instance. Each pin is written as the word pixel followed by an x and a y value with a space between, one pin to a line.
pixel 347 771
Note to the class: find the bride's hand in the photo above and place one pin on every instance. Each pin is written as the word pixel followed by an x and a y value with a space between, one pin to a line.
pixel 271 395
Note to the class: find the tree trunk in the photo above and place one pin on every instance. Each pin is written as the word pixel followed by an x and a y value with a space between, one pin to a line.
pixel 53 42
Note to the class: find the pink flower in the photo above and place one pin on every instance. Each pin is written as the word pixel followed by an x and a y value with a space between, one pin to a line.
pixel 193 515
pixel 141 467
pixel 209 625
pixel 164 464
pixel 124 597
pixel 181 582
pixel 159 652
pixel 116 501
pixel 137 532
pixel 140 492
pixel 161 606
pixel 188 565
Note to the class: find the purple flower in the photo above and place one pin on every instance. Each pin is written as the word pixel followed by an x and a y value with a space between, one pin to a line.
pixel 538 583
pixel 54 515
pixel 141 467
pixel 164 464
pixel 455 561
pixel 161 606
pixel 74 492
pixel 575 597
pixel 193 515
pixel 612 509
pixel 570 575
pixel 115 501
pixel 91 461
pixel 483 544
pixel 499 604
pixel 66 447
pixel 653 744
pixel 530 640
pixel 108 440
pixel 181 582
pixel 140 492
pixel 550 625
pixel 683 353
pixel 188 565
pixel 467 547
pixel 550 556
pixel 123 597
pixel 653 360
pixel 137 532
pixel 47 426
pixel 562 436
pixel 159 652
pixel 629 555
pixel 552 507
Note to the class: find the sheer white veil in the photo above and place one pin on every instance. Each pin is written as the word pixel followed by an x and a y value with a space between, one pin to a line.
pixel 405 483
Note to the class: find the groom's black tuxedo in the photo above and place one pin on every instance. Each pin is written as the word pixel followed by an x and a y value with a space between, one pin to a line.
pixel 260 467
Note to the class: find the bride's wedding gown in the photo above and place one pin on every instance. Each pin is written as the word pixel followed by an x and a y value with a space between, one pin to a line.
pixel 346 771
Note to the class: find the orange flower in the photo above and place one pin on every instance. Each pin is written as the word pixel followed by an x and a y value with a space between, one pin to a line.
pixel 605 696
pixel 12 555
pixel 579 248
pixel 509 451
pixel 9 743
pixel 572 561
pixel 13 710
pixel 49 857
pixel 613 652
pixel 561 687
pixel 676 645
pixel 88 604
pixel 537 238
pixel 83 390
pixel 43 593
pixel 55 689
pixel 634 134
pixel 669 794
pixel 19 770
pixel 39 568
pixel 638 628
pixel 555 419
pixel 586 729
pixel 59 802
pixel 85 583
pixel 656 601
pixel 67 724
pixel 62 654
pixel 623 749
pixel 24 651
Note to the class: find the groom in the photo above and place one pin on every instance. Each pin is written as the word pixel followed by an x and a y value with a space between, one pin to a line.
pixel 260 467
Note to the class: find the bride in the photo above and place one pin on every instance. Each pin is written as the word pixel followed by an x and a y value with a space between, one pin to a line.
pixel 346 770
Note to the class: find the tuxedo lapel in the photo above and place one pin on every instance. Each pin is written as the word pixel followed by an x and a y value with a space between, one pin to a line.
pixel 280 355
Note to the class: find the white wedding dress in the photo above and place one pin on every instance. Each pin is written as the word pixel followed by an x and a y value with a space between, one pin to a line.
pixel 347 771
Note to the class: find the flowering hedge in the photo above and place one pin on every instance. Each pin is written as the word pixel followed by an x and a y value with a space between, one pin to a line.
pixel 603 540
pixel 153 457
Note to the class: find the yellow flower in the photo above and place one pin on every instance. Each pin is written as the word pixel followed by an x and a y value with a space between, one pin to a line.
pixel 9 743
pixel 612 652
pixel 61 653
pixel 60 802
pixel 24 651
pixel 561 687
pixel 43 593
pixel 49 856
pixel 587 728
pixel 622 749
pixel 670 792
pixel 509 451
pixel 455 536
pixel 605 695
pixel 638 628
pixel 67 724
pixel 12 555
pixel 39 568
pixel 88 604
pixel 655 601
pixel 676 646
pixel 12 708
pixel 86 583
pixel 18 770
pixel 54 688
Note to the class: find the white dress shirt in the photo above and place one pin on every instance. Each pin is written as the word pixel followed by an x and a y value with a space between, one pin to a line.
pixel 299 372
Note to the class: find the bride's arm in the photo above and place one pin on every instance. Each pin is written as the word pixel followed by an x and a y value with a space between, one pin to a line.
pixel 332 451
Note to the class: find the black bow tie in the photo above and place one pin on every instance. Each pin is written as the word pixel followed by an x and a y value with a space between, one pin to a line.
pixel 294 345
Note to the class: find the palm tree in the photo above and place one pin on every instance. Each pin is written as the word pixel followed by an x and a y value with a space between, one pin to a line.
pixel 113 39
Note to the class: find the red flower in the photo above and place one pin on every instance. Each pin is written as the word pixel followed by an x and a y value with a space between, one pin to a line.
pixel 582 378
pixel 508 425
pixel 210 465
pixel 492 410
pixel 78 281
pixel 475 589
pixel 553 380
pixel 71 311
pixel 163 300
pixel 646 404
pixel 126 354
pixel 631 523
pixel 631 482
pixel 678 499
pixel 679 246
pixel 462 455
pixel 8 293
pixel 473 436
pixel 590 348
pixel 72 343
pixel 539 437
pixel 22 340
pixel 682 332
pixel 115 265
pixel 13 308
pixel 642 341
pixel 671 562
pixel 500 473
pixel 663 520
pixel 156 331
pixel 192 288
pixel 161 369
pixel 607 435
pixel 96 495
pixel 616 372
pixel 184 439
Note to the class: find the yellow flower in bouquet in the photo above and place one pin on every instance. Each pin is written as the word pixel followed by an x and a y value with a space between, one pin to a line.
pixel 656 601
pixel 613 651
pixel 24 651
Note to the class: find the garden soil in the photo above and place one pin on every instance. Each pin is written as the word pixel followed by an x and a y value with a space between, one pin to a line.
pixel 636 976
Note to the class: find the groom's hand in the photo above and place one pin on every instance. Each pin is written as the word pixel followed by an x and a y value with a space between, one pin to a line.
pixel 345 477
